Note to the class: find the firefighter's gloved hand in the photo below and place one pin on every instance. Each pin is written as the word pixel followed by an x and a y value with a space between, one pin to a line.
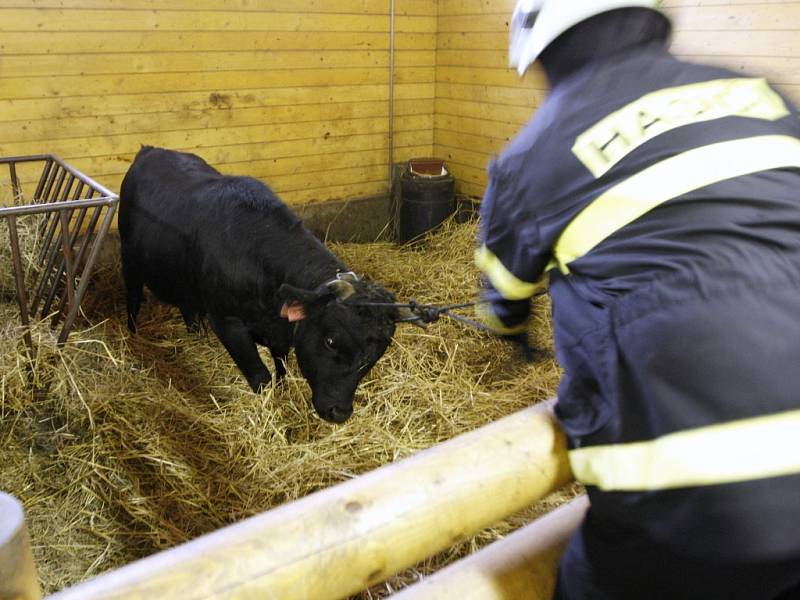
pixel 523 347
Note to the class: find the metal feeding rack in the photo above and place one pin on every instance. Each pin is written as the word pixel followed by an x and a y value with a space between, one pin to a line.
pixel 76 213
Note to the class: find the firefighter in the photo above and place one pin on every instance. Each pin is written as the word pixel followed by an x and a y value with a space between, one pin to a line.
pixel 661 200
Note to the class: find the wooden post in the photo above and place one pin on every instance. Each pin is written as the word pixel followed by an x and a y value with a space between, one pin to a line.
pixel 521 565
pixel 17 572
pixel 341 540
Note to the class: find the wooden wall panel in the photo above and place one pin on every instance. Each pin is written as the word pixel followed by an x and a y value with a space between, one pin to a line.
pixel 293 93
pixel 297 93
pixel 752 37
pixel 480 102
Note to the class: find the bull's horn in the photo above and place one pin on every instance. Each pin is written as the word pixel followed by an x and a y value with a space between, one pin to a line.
pixel 341 288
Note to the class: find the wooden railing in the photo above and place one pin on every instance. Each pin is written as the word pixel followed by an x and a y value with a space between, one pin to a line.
pixel 341 540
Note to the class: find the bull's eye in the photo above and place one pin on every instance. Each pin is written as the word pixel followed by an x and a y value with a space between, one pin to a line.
pixel 329 343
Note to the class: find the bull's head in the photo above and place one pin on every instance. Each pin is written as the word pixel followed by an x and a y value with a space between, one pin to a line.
pixel 338 339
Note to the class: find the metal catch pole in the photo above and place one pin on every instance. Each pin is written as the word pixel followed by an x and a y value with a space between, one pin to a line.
pixel 391 94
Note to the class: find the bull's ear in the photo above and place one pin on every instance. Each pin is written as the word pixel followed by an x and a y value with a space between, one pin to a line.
pixel 294 312
pixel 295 301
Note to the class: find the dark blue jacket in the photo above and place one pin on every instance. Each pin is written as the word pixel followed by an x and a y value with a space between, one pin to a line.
pixel 662 198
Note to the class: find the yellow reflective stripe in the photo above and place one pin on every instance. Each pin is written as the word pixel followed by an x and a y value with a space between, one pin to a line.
pixel 492 321
pixel 607 142
pixel 503 280
pixel 691 170
pixel 732 452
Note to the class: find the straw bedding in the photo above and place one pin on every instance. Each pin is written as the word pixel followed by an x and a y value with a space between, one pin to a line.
pixel 131 444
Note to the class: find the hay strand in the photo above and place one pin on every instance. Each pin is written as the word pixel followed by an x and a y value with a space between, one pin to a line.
pixel 126 445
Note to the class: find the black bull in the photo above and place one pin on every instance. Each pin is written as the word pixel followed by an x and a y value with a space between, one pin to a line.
pixel 228 250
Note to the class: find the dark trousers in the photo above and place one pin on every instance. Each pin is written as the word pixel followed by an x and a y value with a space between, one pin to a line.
pixel 601 562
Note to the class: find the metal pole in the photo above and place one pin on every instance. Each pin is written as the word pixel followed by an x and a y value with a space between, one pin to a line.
pixel 84 281
pixel 17 571
pixel 391 93
pixel 12 168
pixel 19 280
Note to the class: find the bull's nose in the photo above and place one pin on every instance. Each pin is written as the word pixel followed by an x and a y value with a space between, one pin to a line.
pixel 337 414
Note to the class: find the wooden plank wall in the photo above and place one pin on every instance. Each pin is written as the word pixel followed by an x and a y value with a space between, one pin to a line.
pixel 751 36
pixel 299 98
pixel 295 93
pixel 480 103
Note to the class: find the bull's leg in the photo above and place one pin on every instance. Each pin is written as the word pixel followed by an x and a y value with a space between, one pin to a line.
pixel 238 341
pixel 134 289
pixel 279 345
pixel 279 356
pixel 191 319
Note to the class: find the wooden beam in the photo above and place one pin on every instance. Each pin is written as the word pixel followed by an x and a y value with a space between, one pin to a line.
pixel 17 571
pixel 339 541
pixel 524 564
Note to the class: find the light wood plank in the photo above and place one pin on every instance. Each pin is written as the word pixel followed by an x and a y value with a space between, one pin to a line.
pixel 17 569
pixel 266 169
pixel 779 70
pixel 81 20
pixel 220 99
pixel 491 77
pixel 493 59
pixel 187 62
pixel 744 18
pixel 402 7
pixel 473 7
pixel 291 151
pixel 363 530
pixel 524 564
pixel 459 139
pixel 208 41
pixel 341 192
pixel 77 127
pixel 144 83
pixel 99 145
pixel 477 160
pixel 331 178
pixel 491 130
pixel 470 190
pixel 734 43
pixel 668 4
pixel 472 41
pixel 479 110
pixel 468 173
pixel 508 96
pixel 483 22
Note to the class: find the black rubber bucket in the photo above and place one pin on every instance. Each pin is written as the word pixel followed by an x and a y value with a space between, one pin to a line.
pixel 427 198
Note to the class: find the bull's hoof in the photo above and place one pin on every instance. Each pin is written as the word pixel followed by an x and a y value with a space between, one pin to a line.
pixel 260 384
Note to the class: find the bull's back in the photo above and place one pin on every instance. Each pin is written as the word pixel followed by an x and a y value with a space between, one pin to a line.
pixel 160 218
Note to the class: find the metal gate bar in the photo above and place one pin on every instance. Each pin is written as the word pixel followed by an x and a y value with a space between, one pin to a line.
pixel 60 274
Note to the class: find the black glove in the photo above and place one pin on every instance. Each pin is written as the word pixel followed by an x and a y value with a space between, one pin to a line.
pixel 523 347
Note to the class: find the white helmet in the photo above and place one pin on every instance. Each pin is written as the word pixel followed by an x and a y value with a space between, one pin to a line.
pixel 536 23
